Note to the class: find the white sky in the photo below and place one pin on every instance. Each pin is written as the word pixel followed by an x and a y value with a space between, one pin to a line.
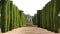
pixel 30 6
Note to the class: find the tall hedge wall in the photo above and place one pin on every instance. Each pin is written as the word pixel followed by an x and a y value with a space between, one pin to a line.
pixel 48 17
pixel 11 16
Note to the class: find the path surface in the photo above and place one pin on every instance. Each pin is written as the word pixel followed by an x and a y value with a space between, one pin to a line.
pixel 29 30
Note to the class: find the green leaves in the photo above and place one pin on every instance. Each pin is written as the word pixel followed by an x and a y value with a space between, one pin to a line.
pixel 48 17
pixel 11 16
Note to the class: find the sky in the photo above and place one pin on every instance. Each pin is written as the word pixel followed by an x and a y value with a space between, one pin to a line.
pixel 30 6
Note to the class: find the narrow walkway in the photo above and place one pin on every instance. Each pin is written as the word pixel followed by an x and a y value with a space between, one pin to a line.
pixel 29 30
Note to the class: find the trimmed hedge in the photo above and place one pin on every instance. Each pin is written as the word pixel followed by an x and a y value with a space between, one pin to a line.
pixel 48 17
pixel 4 16
pixel 11 16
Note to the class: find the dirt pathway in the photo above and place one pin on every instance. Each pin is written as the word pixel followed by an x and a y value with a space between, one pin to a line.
pixel 29 30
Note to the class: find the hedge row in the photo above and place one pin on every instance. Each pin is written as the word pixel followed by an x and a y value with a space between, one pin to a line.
pixel 48 17
pixel 34 19
pixel 0 12
pixel 11 16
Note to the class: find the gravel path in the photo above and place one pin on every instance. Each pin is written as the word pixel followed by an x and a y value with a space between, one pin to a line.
pixel 29 30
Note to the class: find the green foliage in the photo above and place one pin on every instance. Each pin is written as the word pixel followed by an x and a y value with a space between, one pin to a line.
pixel 11 16
pixel 34 18
pixel 4 16
pixel 48 17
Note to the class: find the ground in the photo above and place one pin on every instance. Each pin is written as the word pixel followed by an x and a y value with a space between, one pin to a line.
pixel 29 30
